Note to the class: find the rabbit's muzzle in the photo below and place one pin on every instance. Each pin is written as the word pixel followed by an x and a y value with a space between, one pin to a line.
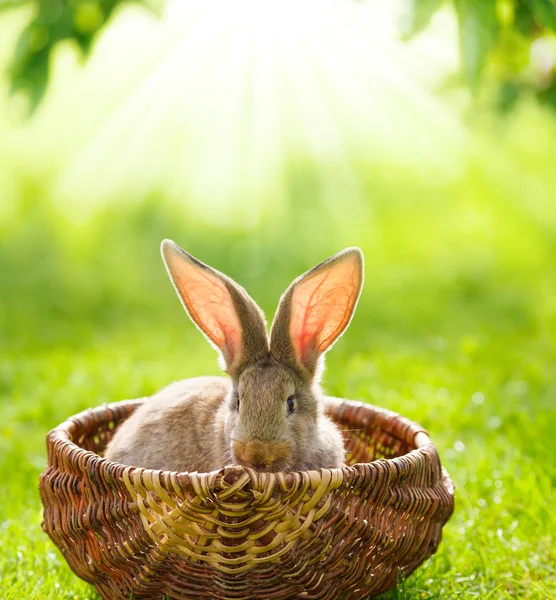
pixel 263 456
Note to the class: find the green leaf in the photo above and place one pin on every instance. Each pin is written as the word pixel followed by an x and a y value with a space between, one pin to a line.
pixel 548 96
pixel 31 74
pixel 56 20
pixel 478 32
pixel 545 13
pixel 418 16
pixel 524 20
pixel 508 95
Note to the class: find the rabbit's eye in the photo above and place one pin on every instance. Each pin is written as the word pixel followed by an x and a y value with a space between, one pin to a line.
pixel 290 404
pixel 235 402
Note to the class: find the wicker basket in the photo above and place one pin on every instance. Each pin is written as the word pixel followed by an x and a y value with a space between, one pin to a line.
pixel 239 534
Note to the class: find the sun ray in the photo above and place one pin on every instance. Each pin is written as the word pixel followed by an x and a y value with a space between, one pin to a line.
pixel 238 93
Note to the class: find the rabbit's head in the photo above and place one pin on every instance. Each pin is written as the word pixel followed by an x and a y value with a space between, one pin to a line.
pixel 274 407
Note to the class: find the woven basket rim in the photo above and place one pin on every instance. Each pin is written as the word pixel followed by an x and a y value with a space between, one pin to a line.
pixel 60 439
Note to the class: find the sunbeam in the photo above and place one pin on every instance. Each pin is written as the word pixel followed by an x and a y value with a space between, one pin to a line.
pixel 246 90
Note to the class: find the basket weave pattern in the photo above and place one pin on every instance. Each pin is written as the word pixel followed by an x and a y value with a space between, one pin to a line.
pixel 239 534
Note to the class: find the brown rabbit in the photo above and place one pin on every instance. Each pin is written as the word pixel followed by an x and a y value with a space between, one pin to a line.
pixel 269 414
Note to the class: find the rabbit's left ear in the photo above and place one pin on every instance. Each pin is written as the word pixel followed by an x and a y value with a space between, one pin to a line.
pixel 226 314
pixel 316 309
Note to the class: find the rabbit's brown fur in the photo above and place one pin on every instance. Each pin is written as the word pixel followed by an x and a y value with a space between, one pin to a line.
pixel 173 429
pixel 269 414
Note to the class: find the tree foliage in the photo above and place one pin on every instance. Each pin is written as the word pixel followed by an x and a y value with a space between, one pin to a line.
pixel 52 22
pixel 507 47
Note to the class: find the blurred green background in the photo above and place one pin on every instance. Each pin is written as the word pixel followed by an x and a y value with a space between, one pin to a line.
pixel 263 137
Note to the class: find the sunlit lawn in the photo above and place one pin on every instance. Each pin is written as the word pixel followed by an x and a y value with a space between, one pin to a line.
pixel 454 330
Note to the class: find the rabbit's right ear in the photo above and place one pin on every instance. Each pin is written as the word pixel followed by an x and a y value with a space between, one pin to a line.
pixel 220 308
pixel 316 309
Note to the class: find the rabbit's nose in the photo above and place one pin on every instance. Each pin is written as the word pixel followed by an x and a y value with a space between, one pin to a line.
pixel 263 456
pixel 259 463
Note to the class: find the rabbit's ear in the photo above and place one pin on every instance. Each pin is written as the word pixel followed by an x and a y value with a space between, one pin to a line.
pixel 316 309
pixel 222 309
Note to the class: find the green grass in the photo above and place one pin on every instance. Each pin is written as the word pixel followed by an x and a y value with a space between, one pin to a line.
pixel 455 330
